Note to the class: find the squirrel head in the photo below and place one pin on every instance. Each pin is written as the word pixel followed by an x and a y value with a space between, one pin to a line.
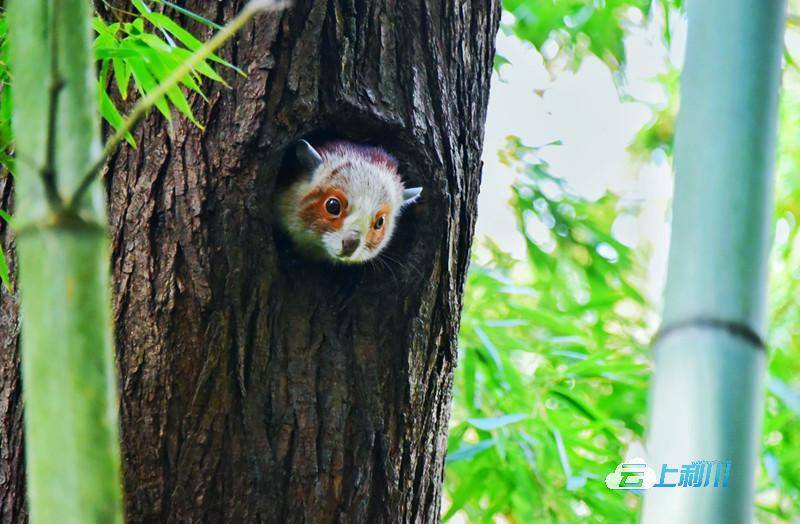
pixel 344 207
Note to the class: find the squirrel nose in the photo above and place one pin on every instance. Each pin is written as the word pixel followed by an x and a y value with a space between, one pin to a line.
pixel 350 243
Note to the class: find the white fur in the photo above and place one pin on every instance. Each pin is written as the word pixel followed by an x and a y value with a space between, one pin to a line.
pixel 369 185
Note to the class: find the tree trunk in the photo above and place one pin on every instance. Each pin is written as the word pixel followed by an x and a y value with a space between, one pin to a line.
pixel 12 463
pixel 256 385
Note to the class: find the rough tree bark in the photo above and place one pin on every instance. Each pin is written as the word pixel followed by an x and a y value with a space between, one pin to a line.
pixel 256 386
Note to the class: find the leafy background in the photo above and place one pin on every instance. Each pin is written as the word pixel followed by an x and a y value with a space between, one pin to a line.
pixel 551 387
pixel 136 49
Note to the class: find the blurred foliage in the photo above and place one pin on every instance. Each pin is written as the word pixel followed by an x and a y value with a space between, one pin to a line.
pixel 576 28
pixel 657 135
pixel 552 380
pixel 552 377
pixel 779 482
pixel 5 130
pixel 141 49
pixel 551 386
pixel 5 94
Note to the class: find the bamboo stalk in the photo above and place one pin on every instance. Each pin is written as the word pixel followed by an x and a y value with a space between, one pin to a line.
pixel 706 396
pixel 69 382
pixel 69 378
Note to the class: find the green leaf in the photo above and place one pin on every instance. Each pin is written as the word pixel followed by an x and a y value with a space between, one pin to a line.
pixel 190 14
pixel 186 38
pixel 787 395
pixel 469 451
pixel 490 423
pixel 106 52
pixel 156 43
pixel 111 115
pixel 99 25
pixel 122 75
pixel 500 61
pixel 178 99
pixel 146 83
pixel 161 71
pixel 202 68
pixel 4 275
pixel 7 217
pixel 161 65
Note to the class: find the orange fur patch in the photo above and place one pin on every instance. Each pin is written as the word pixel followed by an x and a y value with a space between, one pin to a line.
pixel 375 236
pixel 314 214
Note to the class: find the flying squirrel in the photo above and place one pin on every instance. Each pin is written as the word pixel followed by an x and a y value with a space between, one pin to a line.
pixel 344 205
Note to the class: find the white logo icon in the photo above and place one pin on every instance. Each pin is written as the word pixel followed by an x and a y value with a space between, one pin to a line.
pixel 632 474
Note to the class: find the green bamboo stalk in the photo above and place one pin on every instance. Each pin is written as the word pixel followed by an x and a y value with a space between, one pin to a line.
pixel 69 379
pixel 706 396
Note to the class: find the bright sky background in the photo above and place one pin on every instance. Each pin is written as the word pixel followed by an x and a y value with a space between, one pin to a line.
pixel 583 110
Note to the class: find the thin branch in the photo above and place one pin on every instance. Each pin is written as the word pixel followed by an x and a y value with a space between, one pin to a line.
pixel 144 104
pixel 48 172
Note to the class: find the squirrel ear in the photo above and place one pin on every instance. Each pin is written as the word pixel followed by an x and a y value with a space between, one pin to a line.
pixel 411 195
pixel 307 155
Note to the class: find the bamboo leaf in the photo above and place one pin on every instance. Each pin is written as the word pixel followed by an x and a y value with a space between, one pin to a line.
pixel 490 423
pixel 468 452
pixel 122 75
pixel 7 217
pixel 4 275
pixel 191 14
pixel 146 83
pixel 110 113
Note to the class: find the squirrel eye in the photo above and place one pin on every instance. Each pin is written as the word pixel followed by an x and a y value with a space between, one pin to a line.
pixel 379 222
pixel 333 206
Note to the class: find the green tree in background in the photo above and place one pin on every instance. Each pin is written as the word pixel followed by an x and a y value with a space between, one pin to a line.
pixel 552 382
pixel 518 449
pixel 778 488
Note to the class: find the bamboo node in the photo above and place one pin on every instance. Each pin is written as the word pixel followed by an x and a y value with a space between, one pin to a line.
pixel 735 328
